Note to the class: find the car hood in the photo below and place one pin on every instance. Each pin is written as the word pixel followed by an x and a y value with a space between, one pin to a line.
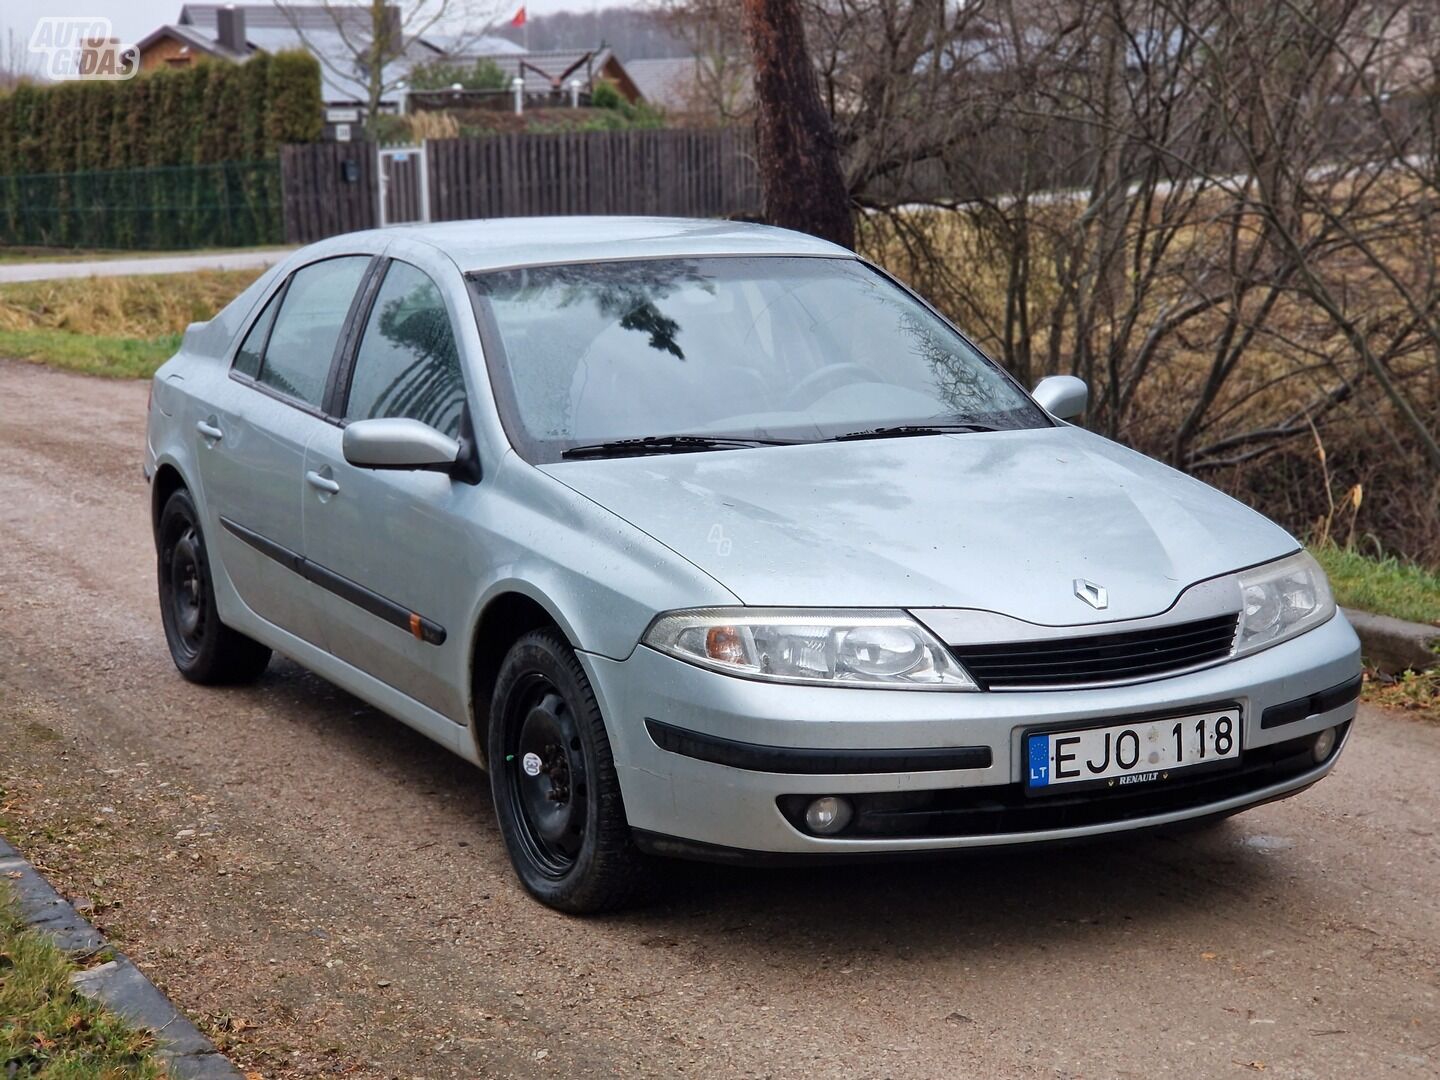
pixel 1002 521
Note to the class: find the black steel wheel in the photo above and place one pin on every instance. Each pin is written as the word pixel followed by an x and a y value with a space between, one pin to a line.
pixel 204 649
pixel 556 794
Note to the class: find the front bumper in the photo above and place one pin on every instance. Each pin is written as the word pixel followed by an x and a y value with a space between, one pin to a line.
pixel 963 742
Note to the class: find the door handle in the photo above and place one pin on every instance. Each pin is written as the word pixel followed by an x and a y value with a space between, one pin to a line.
pixel 209 430
pixel 324 483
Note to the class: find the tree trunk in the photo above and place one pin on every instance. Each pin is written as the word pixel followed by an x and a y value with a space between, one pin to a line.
pixel 802 185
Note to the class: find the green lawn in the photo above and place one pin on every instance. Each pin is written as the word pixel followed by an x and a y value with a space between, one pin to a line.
pixel 47 1030
pixel 1384 586
pixel 90 354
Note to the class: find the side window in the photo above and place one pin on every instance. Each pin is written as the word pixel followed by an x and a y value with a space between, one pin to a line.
pixel 247 360
pixel 297 360
pixel 407 364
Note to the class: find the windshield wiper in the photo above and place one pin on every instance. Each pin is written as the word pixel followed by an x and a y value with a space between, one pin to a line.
pixel 902 430
pixel 668 444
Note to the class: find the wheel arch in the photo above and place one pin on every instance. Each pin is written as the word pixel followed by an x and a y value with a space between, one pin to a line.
pixel 167 480
pixel 505 617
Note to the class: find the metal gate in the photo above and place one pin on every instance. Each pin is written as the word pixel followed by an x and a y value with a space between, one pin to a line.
pixel 403 192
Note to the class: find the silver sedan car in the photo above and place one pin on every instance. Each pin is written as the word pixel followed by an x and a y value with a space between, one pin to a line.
pixel 713 540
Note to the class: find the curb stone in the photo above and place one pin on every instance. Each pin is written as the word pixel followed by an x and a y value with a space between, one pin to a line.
pixel 1394 645
pixel 117 983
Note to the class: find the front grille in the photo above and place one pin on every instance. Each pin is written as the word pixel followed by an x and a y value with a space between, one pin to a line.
pixel 1007 809
pixel 1099 658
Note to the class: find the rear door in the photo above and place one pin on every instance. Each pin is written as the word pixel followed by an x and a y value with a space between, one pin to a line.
pixel 251 448
pixel 396 545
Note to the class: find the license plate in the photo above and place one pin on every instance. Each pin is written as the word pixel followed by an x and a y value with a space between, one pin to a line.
pixel 1143 752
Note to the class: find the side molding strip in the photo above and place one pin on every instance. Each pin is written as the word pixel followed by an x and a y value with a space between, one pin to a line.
pixel 423 629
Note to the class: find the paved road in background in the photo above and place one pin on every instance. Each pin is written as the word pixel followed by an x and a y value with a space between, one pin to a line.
pixel 327 891
pixel 158 264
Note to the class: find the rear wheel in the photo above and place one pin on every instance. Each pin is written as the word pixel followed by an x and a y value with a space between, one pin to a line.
pixel 204 649
pixel 557 797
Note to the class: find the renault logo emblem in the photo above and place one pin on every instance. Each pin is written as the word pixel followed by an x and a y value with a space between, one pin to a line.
pixel 1092 594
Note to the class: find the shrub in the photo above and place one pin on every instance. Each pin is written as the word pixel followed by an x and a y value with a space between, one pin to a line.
pixel 606 96
pixel 484 74
pixel 207 113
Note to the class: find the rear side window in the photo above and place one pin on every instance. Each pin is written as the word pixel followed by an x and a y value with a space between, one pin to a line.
pixel 247 360
pixel 407 365
pixel 307 328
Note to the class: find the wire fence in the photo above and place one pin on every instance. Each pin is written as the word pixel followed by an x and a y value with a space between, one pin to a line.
pixel 231 204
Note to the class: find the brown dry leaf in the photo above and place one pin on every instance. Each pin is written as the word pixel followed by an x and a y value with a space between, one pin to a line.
pixel 1207 956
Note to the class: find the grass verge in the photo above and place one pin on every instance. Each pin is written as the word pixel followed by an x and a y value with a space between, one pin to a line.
pixel 1384 586
pixel 49 1031
pixel 90 354
pixel 1389 587
pixel 1416 694
pixel 119 326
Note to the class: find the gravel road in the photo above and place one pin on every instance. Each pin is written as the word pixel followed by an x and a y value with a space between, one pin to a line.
pixel 326 892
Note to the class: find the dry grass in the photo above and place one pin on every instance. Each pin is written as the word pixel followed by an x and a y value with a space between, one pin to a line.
pixel 1415 694
pixel 143 306
pixel 117 326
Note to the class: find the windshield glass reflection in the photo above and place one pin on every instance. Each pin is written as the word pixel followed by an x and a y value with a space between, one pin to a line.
pixel 765 348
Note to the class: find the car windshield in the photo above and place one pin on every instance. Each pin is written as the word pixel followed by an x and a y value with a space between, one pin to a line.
pixel 726 350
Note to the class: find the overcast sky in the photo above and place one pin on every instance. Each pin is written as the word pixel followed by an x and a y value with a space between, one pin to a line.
pixel 133 19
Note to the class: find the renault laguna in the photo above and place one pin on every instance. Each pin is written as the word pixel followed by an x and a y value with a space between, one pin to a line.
pixel 713 540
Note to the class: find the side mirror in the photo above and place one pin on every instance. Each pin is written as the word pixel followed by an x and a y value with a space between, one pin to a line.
pixel 1062 396
pixel 395 443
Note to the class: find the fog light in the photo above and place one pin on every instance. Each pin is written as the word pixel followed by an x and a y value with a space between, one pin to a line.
pixel 828 815
pixel 1324 743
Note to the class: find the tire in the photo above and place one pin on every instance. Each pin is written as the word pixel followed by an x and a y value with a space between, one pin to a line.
pixel 557 797
pixel 204 649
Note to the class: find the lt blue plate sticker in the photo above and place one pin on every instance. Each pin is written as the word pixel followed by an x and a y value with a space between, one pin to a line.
pixel 1039 760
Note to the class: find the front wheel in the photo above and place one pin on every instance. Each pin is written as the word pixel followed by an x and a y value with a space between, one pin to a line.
pixel 557 797
pixel 204 649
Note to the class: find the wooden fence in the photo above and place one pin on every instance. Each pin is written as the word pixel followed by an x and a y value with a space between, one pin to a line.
pixel 327 189
pixel 330 188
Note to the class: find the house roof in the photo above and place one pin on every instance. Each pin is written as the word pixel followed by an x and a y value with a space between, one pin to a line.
pixel 468 45
pixel 668 82
pixel 272 16
pixel 192 38
pixel 331 34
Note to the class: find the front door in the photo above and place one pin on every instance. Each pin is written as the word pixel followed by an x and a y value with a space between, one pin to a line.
pixel 393 544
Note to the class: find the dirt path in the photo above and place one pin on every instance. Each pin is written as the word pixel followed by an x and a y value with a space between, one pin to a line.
pixel 326 890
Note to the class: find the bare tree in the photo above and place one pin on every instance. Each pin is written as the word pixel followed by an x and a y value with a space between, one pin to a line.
pixel 713 31
pixel 16 64
pixel 803 187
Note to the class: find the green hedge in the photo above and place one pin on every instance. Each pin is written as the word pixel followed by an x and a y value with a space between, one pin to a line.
pixel 175 158
pixel 198 115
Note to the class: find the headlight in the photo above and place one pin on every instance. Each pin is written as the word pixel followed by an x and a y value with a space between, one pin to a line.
pixel 815 647
pixel 1280 600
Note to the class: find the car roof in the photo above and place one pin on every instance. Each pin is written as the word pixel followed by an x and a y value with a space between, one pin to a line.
pixel 499 243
